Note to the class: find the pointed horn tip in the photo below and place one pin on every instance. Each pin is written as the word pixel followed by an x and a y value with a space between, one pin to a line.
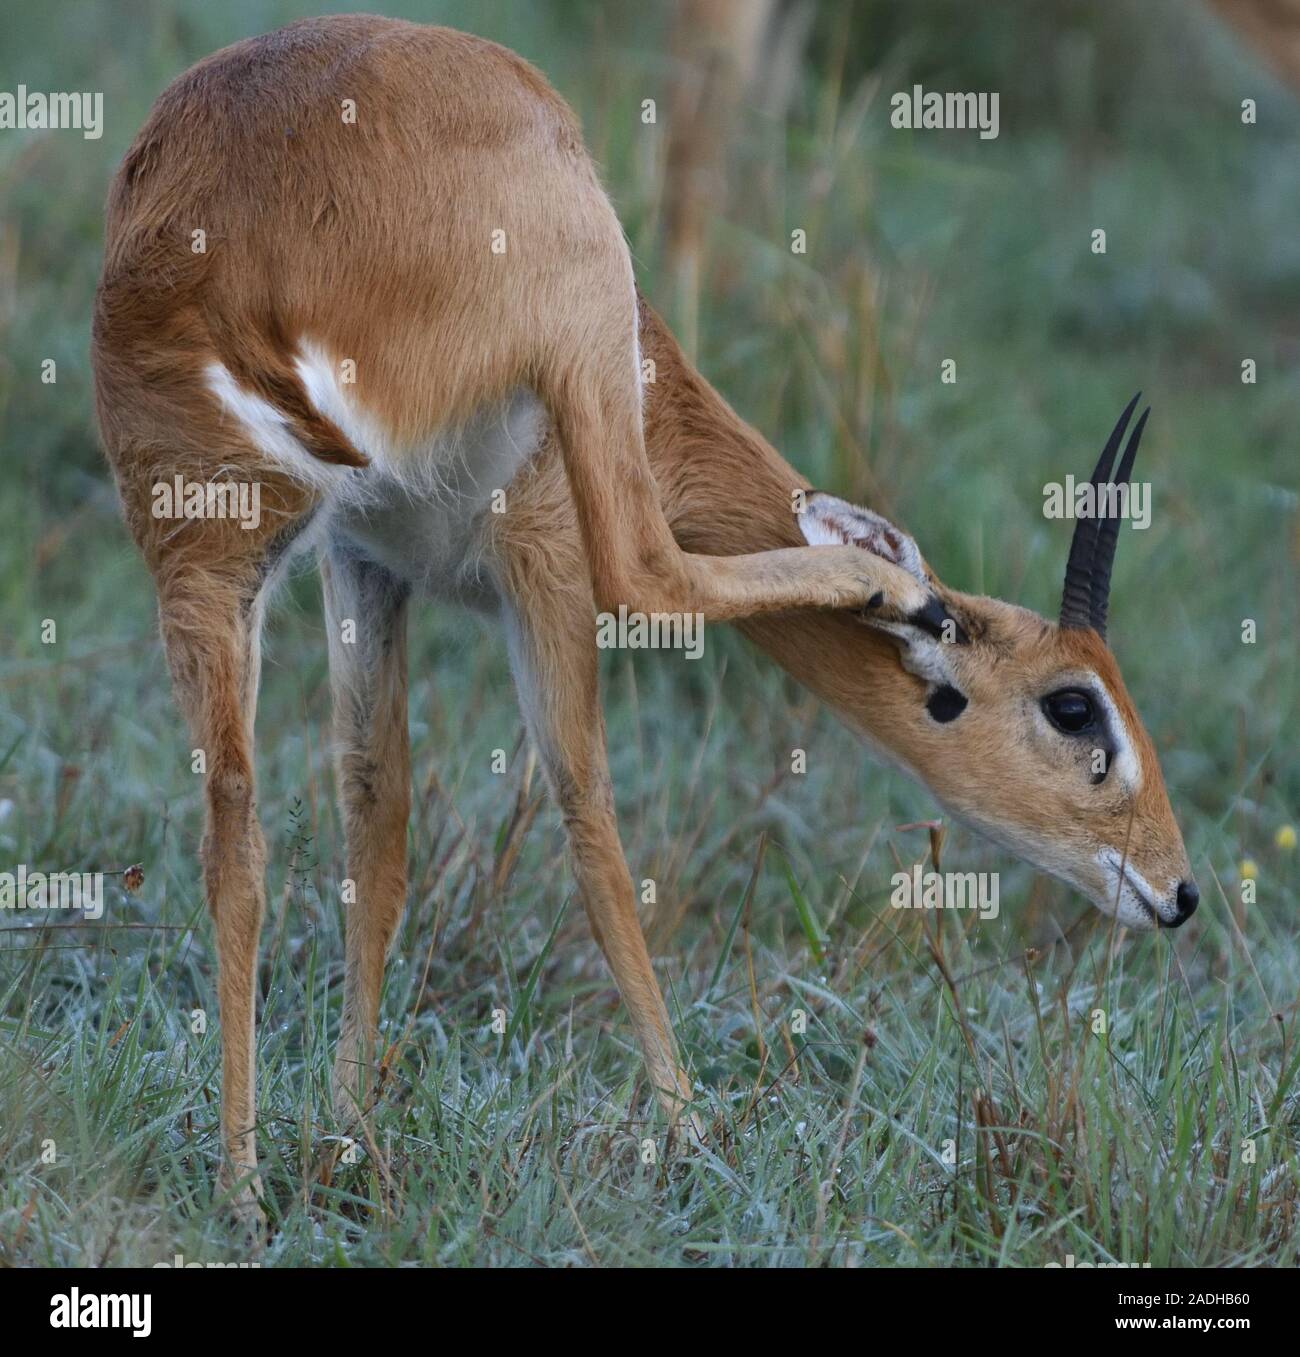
pixel 1130 451
pixel 1142 418
pixel 1083 612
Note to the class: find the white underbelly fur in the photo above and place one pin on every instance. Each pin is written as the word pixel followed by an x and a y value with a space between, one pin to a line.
pixel 419 512
pixel 425 525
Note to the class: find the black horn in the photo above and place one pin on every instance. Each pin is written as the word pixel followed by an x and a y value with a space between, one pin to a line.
pixel 1108 534
pixel 1092 551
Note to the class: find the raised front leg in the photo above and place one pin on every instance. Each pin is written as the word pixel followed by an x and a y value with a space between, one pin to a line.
pixel 365 613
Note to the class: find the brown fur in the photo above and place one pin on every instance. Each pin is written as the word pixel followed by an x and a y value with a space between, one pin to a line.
pixel 724 486
pixel 372 241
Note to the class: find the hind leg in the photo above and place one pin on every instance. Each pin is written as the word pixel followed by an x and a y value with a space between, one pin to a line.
pixel 211 624
pixel 590 381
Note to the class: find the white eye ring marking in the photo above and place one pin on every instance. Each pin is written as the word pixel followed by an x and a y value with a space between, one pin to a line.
pixel 1125 763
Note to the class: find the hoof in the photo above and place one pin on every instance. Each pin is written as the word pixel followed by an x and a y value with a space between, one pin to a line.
pixel 248 1222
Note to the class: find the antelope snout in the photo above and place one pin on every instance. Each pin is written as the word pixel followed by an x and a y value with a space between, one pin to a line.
pixel 1189 896
pixel 1129 895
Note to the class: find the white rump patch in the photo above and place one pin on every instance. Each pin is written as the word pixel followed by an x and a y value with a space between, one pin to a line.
pixel 269 430
pixel 418 510
pixel 323 383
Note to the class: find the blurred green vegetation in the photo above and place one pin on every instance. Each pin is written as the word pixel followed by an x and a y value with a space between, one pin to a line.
pixel 922 246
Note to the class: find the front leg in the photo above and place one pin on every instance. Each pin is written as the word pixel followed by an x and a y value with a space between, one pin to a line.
pixel 551 631
pixel 365 612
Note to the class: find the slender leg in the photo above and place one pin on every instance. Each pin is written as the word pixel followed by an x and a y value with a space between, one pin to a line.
pixel 590 388
pixel 553 657
pixel 365 611
pixel 211 629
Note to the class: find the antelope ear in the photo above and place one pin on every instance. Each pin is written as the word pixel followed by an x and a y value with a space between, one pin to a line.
pixel 925 644
pixel 830 522
pixel 924 638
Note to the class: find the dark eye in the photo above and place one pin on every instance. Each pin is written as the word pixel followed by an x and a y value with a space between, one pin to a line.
pixel 1070 711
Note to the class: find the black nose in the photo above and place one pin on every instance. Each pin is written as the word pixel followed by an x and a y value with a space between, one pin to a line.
pixel 1188 898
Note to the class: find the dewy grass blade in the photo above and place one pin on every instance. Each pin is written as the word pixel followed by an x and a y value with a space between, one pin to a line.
pixel 534 974
pixel 803 909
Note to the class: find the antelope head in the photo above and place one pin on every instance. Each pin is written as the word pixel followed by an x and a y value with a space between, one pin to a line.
pixel 1022 727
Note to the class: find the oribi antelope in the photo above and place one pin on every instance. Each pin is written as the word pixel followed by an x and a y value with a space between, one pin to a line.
pixel 368 266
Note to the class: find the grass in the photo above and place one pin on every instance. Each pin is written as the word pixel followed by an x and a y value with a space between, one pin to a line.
pixel 955 1093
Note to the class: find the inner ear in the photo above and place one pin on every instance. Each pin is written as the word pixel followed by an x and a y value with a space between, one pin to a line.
pixel 830 522
pixel 945 703
pixel 920 653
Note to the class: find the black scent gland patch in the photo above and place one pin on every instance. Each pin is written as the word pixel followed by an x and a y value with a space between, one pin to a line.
pixel 945 703
pixel 935 619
